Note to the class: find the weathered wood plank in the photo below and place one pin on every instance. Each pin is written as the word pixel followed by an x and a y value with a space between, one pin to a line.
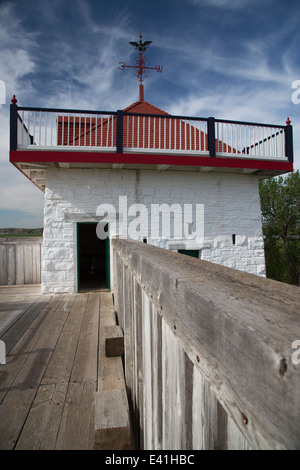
pixel 37 415
pixel 20 275
pixel 28 266
pixel 11 264
pixel 138 372
pixel 112 425
pixel 38 268
pixel 43 421
pixel 15 322
pixel 20 345
pixel 21 240
pixel 24 387
pixel 8 293
pixel 3 265
pixel 61 364
pixel 112 429
pixel 77 427
pixel 233 327
pixel 20 260
pixel 114 341
pixel 156 348
pixel 147 408
pixel 111 373
pixel 13 413
pixel 86 360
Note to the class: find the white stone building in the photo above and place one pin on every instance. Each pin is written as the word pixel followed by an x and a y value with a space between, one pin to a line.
pixel 139 162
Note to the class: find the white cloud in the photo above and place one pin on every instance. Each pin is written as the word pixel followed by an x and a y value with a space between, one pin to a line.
pixel 16 52
pixel 21 194
pixel 232 102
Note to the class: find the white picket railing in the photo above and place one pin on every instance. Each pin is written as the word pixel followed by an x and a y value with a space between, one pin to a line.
pixel 165 134
pixel 56 129
pixel 63 130
pixel 253 141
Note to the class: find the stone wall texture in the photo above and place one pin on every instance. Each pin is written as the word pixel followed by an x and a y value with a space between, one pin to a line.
pixel 231 234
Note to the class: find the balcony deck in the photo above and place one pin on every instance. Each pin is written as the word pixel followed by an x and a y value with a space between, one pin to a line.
pixel 51 376
pixel 43 138
pixel 42 387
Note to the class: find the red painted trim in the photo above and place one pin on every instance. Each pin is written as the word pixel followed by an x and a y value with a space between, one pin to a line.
pixel 147 159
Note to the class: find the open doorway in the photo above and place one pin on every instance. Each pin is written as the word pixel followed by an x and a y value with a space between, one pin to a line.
pixel 93 259
pixel 193 253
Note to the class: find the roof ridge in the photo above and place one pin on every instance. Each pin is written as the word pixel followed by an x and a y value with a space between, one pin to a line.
pixel 145 104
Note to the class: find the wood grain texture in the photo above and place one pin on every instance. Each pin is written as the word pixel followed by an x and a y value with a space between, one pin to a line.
pixel 228 331
pixel 20 260
pixel 49 383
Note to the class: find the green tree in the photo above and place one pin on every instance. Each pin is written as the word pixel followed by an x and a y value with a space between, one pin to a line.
pixel 280 205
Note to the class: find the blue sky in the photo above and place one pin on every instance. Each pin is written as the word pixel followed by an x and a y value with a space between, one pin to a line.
pixel 229 59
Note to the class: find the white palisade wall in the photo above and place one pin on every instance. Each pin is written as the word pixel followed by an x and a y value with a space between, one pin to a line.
pixel 231 207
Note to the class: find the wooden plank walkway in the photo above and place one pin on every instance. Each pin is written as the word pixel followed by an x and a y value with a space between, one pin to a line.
pixel 50 379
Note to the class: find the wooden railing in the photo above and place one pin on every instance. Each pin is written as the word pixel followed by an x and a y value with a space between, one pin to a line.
pixel 209 358
pixel 118 131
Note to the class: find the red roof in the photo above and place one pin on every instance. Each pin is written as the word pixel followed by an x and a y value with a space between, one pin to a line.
pixel 138 131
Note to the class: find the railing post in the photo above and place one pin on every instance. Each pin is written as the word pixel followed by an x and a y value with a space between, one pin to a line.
pixel 211 136
pixel 289 152
pixel 119 131
pixel 13 124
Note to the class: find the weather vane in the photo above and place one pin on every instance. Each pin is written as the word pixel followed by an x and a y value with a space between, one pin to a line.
pixel 141 64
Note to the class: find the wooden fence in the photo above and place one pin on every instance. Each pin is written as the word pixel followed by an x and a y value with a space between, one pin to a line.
pixel 209 358
pixel 20 260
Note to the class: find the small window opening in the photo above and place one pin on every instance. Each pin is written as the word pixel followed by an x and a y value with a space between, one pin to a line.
pixel 233 238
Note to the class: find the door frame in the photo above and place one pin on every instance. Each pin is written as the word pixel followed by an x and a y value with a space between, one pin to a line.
pixel 107 254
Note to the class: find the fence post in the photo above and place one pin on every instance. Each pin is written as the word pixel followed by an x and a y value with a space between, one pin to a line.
pixel 289 152
pixel 211 136
pixel 119 131
pixel 13 124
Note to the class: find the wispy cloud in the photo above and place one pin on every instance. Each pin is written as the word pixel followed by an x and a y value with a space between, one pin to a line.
pixel 17 46
pixel 71 68
pixel 233 59
pixel 230 4
pixel 237 103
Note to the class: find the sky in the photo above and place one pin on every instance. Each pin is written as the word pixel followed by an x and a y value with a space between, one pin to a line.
pixel 231 59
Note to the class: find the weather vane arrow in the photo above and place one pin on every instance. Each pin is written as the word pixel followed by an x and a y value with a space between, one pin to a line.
pixel 141 67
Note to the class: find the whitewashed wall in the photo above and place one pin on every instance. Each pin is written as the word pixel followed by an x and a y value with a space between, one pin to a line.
pixel 231 206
